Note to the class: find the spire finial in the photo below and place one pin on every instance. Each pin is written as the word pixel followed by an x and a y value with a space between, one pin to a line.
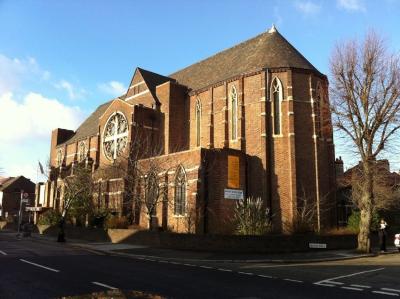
pixel 272 29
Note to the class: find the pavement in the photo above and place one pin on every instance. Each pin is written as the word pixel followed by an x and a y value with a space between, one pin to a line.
pixel 141 251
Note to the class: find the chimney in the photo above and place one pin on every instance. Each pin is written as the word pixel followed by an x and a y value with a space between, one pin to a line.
pixel 339 169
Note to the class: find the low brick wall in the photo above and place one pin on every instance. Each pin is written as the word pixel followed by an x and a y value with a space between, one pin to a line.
pixel 221 243
pixel 232 243
pixel 81 233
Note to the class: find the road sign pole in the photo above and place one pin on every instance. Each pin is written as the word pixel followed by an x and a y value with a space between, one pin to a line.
pixel 24 199
pixel 20 212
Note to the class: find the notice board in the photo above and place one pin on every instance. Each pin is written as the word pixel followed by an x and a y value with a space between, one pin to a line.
pixel 233 172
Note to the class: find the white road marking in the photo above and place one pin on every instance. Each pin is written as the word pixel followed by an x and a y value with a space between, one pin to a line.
pixel 2 252
pixel 329 280
pixel 360 286
pixel 245 273
pixel 226 270
pixel 293 280
pixel 190 265
pixel 265 276
pixel 165 262
pixel 205 267
pixel 104 285
pixel 40 266
pixel 390 290
pixel 282 265
pixel 385 293
pixel 351 288
pixel 324 284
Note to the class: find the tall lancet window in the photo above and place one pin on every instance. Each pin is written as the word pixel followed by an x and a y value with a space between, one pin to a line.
pixel 317 110
pixel 276 92
pixel 152 193
pixel 234 116
pixel 180 192
pixel 198 122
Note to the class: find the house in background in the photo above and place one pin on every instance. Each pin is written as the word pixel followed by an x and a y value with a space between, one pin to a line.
pixel 10 195
pixel 388 182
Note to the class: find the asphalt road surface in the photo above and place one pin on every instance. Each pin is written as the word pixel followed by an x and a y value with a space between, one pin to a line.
pixel 42 269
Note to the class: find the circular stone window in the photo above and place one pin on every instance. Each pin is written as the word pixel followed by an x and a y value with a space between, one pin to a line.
pixel 115 136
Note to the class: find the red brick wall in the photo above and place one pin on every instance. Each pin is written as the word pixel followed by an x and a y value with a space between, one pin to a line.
pixel 279 169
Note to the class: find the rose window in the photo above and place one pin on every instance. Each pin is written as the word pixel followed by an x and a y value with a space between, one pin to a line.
pixel 115 136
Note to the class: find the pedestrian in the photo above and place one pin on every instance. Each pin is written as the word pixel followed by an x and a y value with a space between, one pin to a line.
pixel 382 235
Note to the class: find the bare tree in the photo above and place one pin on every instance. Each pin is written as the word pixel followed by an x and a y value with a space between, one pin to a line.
pixel 78 192
pixel 386 191
pixel 366 108
pixel 306 212
pixel 144 176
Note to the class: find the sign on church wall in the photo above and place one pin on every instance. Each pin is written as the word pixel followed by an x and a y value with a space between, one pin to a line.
pixel 233 194
pixel 233 172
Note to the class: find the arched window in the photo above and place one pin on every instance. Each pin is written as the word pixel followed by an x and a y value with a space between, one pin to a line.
pixel 276 91
pixel 234 116
pixel 198 122
pixel 180 192
pixel 152 193
pixel 59 157
pixel 82 151
pixel 317 110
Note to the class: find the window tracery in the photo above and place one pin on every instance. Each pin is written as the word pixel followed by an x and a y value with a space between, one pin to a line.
pixel 180 192
pixel 115 136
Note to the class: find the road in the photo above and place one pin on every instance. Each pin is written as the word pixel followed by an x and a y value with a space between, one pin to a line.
pixel 42 269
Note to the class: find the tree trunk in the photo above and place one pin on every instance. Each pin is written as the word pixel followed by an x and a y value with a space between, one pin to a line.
pixel 366 209
pixel 364 234
pixel 150 223
pixel 61 232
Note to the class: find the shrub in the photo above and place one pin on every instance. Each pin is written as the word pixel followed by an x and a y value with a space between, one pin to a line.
pixel 353 223
pixel 116 222
pixel 252 217
pixel 50 217
pixel 99 218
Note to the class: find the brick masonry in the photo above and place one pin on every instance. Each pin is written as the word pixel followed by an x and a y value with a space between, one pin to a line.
pixel 281 169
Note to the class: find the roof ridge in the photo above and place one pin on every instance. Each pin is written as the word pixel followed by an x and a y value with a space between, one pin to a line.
pixel 265 50
pixel 220 52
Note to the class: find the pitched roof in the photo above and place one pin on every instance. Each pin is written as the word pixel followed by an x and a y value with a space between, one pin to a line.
pixel 90 126
pixel 152 80
pixel 267 50
pixel 6 182
pixel 382 168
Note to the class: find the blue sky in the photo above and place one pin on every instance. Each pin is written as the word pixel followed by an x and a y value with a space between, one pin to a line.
pixel 60 59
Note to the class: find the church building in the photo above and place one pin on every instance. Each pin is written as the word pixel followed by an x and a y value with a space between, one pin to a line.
pixel 250 121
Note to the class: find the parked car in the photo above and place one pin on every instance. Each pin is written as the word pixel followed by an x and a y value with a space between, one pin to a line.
pixel 397 241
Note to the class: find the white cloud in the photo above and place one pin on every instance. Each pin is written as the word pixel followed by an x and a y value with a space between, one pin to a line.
pixel 34 117
pixel 308 7
pixel 14 71
pixel 113 88
pixel 26 126
pixel 352 5
pixel 73 92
